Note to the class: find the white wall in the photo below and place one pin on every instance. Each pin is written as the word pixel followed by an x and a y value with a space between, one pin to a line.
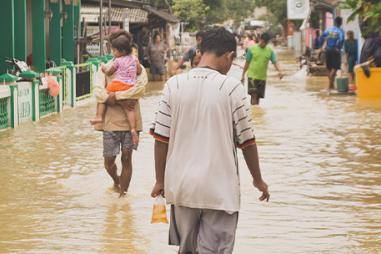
pixel 297 41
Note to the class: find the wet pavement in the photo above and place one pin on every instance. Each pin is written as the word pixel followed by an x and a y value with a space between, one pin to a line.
pixel 320 154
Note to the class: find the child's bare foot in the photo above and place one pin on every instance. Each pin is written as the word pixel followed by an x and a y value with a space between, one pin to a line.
pixel 96 120
pixel 135 137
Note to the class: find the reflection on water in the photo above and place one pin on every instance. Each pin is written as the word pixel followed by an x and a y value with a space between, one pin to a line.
pixel 320 154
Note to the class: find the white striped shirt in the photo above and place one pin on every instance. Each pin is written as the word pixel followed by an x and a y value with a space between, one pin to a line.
pixel 204 116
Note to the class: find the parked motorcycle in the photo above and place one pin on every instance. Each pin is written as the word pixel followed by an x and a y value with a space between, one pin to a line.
pixel 18 66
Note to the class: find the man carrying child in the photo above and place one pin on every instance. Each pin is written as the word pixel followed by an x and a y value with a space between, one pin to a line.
pixel 122 119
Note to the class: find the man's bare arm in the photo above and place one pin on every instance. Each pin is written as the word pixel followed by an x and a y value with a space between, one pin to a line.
pixel 161 151
pixel 178 65
pixel 251 157
pixel 277 67
pixel 245 68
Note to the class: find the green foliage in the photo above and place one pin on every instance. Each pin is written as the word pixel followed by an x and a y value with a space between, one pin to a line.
pixel 208 12
pixel 192 11
pixel 222 10
pixel 240 9
pixel 369 13
pixel 217 10
pixel 273 22
pixel 160 4
pixel 276 7
pixel 200 13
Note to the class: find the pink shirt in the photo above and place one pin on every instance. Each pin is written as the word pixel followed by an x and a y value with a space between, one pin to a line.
pixel 126 68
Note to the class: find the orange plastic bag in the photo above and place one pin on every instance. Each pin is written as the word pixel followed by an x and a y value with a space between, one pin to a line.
pixel 54 87
pixel 159 211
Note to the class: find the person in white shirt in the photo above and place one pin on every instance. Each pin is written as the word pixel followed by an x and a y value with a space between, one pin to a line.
pixel 202 118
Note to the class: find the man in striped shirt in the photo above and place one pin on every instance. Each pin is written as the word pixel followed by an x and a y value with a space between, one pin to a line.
pixel 203 116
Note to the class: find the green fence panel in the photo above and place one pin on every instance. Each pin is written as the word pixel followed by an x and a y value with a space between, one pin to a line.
pixel 65 85
pixel 47 103
pixel 4 114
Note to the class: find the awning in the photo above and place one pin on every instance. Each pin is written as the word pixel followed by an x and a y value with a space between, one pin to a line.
pixel 326 4
pixel 91 14
pixel 161 14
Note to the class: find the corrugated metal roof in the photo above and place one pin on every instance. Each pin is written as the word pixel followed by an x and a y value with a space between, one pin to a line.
pixel 91 14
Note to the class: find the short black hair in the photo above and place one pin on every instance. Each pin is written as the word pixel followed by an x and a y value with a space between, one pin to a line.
pixel 266 37
pixel 122 44
pixel 199 34
pixel 338 21
pixel 218 41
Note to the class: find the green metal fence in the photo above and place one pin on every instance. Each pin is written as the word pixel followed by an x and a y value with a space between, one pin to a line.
pixel 4 115
pixel 64 83
pixel 47 103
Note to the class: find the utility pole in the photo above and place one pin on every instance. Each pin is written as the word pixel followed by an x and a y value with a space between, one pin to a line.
pixel 109 17
pixel 101 27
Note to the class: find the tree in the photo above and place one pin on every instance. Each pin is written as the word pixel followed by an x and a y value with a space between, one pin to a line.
pixel 369 13
pixel 208 12
pixel 192 11
pixel 240 9
pixel 217 11
pixel 278 9
pixel 221 10
pixel 161 4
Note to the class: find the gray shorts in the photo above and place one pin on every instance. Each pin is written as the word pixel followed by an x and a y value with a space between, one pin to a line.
pixel 202 231
pixel 157 69
pixel 115 141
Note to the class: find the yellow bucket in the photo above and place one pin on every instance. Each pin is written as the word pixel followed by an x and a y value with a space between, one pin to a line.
pixel 368 87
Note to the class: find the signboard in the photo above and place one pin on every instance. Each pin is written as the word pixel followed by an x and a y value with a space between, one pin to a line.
pixel 93 49
pixel 24 94
pixel 298 9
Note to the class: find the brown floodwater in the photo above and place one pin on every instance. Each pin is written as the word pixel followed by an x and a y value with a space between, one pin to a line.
pixel 320 154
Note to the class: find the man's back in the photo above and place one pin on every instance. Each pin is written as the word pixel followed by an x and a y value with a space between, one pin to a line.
pixel 202 117
pixel 334 36
pixel 203 111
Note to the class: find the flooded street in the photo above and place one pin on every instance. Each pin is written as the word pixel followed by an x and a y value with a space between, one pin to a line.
pixel 320 154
